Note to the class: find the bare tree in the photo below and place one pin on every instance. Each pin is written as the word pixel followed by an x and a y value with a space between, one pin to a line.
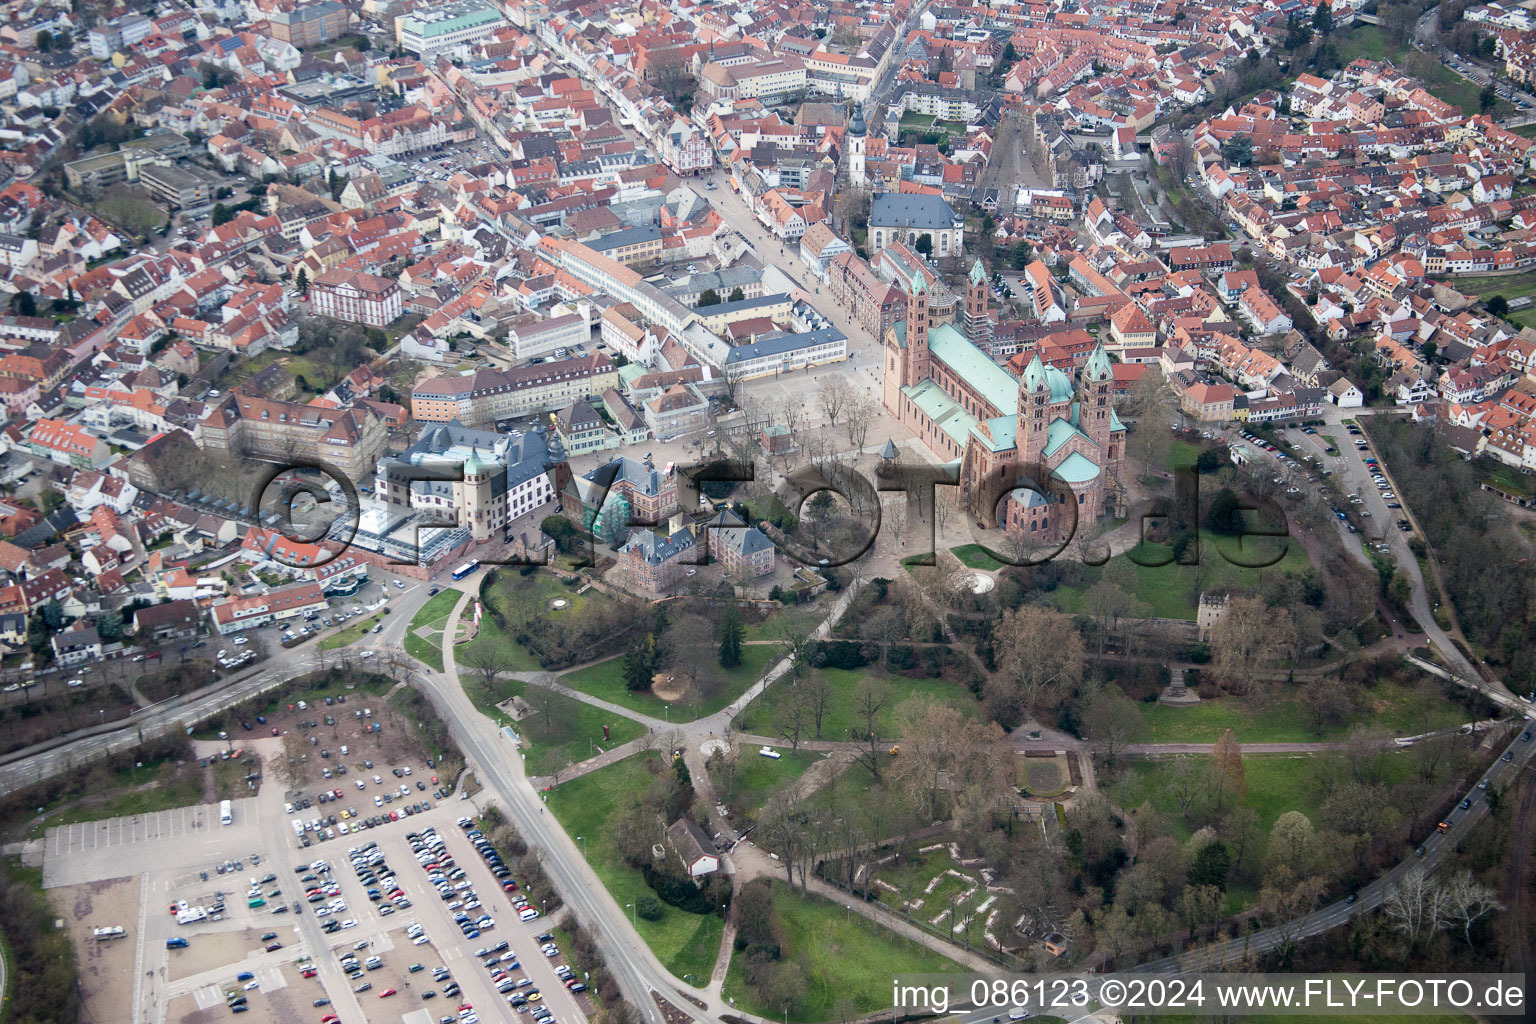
pixel 1038 651
pixel 1468 901
pixel 869 699
pixel 1248 637
pixel 861 412
pixel 792 715
pixel 834 397
pixel 484 661
pixel 1416 907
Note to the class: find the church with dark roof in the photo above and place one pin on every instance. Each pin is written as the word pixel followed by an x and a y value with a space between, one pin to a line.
pixel 1044 426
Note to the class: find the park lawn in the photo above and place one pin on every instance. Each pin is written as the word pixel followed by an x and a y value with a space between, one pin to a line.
pixel 431 618
pixel 587 806
pixel 1282 716
pixel 758 778
pixel 566 731
pixel 1169 590
pixel 605 680
pixel 974 556
pixel 351 635
pixel 912 119
pixel 1528 130
pixel 796 618
pixel 1276 783
pixel 849 960
pixel 841 717
pixel 536 592
pixel 1182 453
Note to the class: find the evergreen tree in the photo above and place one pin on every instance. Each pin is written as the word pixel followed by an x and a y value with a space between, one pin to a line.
pixel 638 663
pixel 732 632
pixel 303 282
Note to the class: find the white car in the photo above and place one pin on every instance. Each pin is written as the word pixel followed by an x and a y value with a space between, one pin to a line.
pixel 360 784
pixel 348 923
pixel 76 682
pixel 239 641
pixel 418 940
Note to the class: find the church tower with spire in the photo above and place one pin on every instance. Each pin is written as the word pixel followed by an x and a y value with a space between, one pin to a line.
pixel 1098 382
pixel 1035 414
pixel 978 321
pixel 857 139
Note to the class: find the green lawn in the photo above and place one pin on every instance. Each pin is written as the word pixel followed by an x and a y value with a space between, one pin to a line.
pixel 848 961
pixel 758 778
pixel 915 120
pixel 684 943
pixel 1170 590
pixel 606 681
pixel 514 593
pixel 1276 783
pixel 562 731
pixel 1282 717
pixel 975 556
pixel 799 618
pixel 430 619
pixel 352 634
pixel 1528 130
pixel 841 717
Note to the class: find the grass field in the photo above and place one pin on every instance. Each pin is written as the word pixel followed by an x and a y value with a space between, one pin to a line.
pixel 1276 783
pixel 1169 590
pixel 352 634
pixel 424 638
pixel 1282 717
pixel 513 592
pixel 841 717
pixel 848 961
pixel 129 206
pixel 684 943
pixel 758 777
pixel 975 556
pixel 563 731
pixel 605 680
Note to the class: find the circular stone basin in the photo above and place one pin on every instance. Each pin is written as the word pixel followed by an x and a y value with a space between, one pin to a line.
pixel 975 582
pixel 558 603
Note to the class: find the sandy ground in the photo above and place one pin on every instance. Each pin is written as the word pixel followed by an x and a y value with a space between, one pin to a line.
pixel 210 950
pixel 105 968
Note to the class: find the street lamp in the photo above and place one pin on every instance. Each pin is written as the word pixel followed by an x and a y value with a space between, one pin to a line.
pixel 632 919
pixel 583 840
pixel 668 710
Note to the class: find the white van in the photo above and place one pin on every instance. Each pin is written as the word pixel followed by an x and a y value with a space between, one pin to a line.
pixel 527 914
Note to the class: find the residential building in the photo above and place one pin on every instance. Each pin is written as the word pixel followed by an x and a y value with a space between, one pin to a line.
pixel 356 297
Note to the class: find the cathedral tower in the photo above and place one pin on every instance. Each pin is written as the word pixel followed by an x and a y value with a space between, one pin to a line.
pixel 1034 419
pixel 978 322
pixel 1098 382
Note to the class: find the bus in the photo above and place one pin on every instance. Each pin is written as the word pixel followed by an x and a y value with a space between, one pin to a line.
pixel 466 569
pixel 224 813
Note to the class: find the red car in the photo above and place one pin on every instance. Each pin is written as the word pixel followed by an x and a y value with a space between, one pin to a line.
pixel 274 730
pixel 386 993
pixel 330 1018
pixel 465 1006
pixel 309 972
